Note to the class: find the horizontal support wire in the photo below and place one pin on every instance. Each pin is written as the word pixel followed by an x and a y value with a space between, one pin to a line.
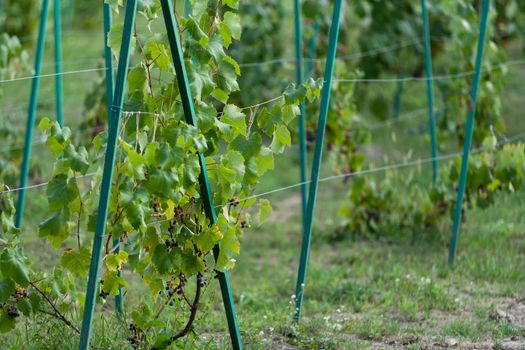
pixel 396 166
pixel 41 141
pixel 433 78
pixel 87 70
pixel 418 113
pixel 356 55
pixel 410 115
pixel 415 114
pixel 129 113
pixel 355 80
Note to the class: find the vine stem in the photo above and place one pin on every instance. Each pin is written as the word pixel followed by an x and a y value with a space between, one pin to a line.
pixel 194 308
pixel 79 221
pixel 56 312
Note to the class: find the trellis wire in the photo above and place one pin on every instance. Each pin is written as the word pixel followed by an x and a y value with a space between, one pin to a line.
pixel 30 77
pixel 510 63
pixel 507 140
pixel 434 78
pixel 368 53
pixel 356 80
pixel 395 166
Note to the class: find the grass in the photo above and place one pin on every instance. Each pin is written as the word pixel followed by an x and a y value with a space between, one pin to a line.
pixel 360 293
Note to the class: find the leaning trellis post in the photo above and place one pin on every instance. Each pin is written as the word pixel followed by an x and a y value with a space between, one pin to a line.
pixel 107 176
pixel 35 86
pixel 57 17
pixel 110 78
pixel 116 114
pixel 303 157
pixel 485 9
pixel 316 167
pixel 206 193
pixel 430 92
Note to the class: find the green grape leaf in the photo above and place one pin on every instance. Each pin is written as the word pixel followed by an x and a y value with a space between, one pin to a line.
pixel 24 306
pixel 7 287
pixel 227 77
pixel 163 340
pixel 281 139
pixel 206 115
pixel 137 214
pixel 115 261
pixel 233 116
pixel 234 4
pixel 196 32
pixel 230 27
pixel 265 161
pixel 191 264
pixel 233 63
pixel 115 35
pixel 208 238
pixel 55 228
pixel 158 54
pixel 220 95
pixel 76 261
pixel 112 282
pixel 265 209
pixel 162 183
pixel 60 192
pixel 230 246
pixel 36 301
pixel 294 94
pixel 231 166
pixel 142 316
pixel 215 48
pixel 13 266
pixel 77 159
pixel 201 82
pixel 166 261
pixel 7 323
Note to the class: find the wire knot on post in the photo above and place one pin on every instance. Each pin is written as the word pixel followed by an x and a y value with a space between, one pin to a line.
pixel 115 109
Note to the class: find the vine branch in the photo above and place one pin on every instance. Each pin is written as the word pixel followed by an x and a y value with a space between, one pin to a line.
pixel 56 313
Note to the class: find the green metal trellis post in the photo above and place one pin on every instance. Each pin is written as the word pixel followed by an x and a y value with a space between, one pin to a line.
pixel 312 48
pixel 24 172
pixel 110 78
pixel 302 117
pixel 109 165
pixel 70 13
pixel 116 113
pixel 58 59
pixel 398 96
pixel 430 92
pixel 207 197
pixel 312 194
pixel 35 86
pixel 468 133
pixel 187 7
